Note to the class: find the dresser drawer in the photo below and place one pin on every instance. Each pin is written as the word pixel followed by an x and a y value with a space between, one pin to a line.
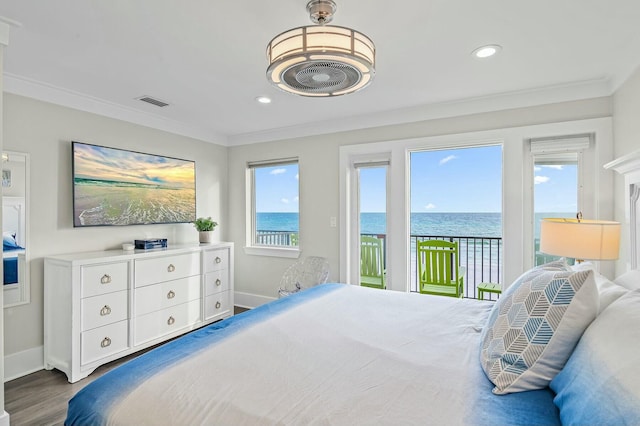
pixel 104 278
pixel 166 268
pixel 215 282
pixel 169 293
pixel 215 260
pixel 103 341
pixel 105 309
pixel 217 305
pixel 156 324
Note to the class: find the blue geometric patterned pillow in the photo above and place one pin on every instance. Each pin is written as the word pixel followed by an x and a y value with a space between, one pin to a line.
pixel 534 326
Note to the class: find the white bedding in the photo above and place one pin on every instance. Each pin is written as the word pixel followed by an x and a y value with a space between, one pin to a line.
pixel 335 354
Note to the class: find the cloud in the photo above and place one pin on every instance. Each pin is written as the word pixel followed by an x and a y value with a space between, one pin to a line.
pixel 297 176
pixel 554 166
pixel 284 200
pixel 296 198
pixel 447 159
pixel 430 206
pixel 540 179
pixel 277 171
pixel 537 168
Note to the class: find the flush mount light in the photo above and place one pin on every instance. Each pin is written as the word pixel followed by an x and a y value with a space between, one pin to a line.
pixel 321 60
pixel 263 100
pixel 486 51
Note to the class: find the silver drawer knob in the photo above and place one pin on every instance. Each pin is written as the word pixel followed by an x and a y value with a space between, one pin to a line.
pixel 218 260
pixel 106 310
pixel 218 282
pixel 171 294
pixel 106 279
pixel 218 304
pixel 171 268
pixel 105 342
pixel 171 320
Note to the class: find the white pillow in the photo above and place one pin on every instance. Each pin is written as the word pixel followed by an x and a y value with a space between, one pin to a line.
pixel 608 291
pixel 630 280
pixel 534 326
pixel 600 384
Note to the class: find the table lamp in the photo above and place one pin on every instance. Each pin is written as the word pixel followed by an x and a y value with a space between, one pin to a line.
pixel 580 239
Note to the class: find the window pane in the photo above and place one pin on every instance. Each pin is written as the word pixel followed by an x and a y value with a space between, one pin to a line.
pixel 372 182
pixel 276 205
pixel 456 196
pixel 555 195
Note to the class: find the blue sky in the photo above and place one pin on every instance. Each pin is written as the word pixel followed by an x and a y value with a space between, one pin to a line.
pixel 457 180
pixel 277 189
pixel 454 180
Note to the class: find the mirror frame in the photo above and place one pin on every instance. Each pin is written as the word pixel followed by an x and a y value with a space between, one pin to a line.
pixel 20 293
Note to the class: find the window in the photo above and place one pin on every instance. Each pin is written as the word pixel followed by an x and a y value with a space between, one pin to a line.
pixel 456 196
pixel 273 221
pixel 556 184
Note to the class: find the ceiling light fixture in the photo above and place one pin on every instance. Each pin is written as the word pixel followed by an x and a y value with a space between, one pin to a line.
pixel 486 51
pixel 263 100
pixel 321 60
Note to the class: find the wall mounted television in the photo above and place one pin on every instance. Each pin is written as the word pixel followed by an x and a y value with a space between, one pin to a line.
pixel 119 187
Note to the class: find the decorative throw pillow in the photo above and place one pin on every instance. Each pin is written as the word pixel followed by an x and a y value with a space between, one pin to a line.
pixel 535 325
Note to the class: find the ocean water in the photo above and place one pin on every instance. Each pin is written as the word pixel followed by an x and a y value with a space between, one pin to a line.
pixel 430 224
pixel 449 224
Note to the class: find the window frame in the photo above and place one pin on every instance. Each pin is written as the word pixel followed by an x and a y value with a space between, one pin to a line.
pixel 251 247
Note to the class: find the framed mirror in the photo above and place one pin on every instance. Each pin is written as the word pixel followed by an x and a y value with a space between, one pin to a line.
pixel 15 228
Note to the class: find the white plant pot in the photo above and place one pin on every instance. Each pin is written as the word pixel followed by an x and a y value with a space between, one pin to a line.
pixel 205 236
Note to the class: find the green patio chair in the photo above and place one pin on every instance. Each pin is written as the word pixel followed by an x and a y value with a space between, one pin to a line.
pixel 372 273
pixel 438 269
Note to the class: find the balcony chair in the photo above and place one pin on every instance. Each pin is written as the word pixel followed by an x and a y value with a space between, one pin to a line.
pixel 372 272
pixel 438 269
pixel 305 273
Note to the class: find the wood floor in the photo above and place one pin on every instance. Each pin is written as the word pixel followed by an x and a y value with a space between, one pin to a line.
pixel 41 398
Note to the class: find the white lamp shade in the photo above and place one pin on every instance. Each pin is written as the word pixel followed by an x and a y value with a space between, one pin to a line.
pixel 584 239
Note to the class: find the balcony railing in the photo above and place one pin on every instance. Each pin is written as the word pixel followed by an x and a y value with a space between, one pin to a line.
pixel 482 256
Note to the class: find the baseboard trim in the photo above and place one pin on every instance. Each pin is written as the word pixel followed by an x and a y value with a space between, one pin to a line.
pixel 23 363
pixel 4 419
pixel 250 301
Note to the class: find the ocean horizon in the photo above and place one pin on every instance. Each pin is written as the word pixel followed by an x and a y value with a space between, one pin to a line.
pixel 488 225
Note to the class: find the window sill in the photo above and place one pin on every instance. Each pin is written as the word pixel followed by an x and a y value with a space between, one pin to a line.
pixel 292 253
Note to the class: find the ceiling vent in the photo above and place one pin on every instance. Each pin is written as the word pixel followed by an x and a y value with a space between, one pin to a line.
pixel 152 101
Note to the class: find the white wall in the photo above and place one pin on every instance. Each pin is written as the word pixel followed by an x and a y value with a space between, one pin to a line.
pixel 45 131
pixel 319 176
pixel 626 133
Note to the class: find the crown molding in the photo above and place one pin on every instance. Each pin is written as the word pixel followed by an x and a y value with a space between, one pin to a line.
pixel 48 93
pixel 520 99
pixel 547 95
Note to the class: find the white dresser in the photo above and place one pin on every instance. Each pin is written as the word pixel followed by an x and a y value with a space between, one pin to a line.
pixel 101 306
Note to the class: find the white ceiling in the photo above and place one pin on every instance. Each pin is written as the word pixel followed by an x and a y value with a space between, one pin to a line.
pixel 207 59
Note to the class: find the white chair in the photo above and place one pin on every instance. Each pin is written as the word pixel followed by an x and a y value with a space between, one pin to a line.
pixel 303 274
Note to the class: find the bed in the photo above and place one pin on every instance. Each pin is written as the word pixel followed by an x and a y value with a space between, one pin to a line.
pixel 12 257
pixel 13 250
pixel 341 354
pixel 333 354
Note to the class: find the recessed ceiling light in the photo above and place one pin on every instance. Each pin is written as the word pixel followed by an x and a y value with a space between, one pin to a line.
pixel 263 100
pixel 486 51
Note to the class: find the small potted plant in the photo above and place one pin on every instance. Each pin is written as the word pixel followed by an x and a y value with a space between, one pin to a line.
pixel 205 226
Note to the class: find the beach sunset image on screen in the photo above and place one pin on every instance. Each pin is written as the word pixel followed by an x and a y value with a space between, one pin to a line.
pixel 120 187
